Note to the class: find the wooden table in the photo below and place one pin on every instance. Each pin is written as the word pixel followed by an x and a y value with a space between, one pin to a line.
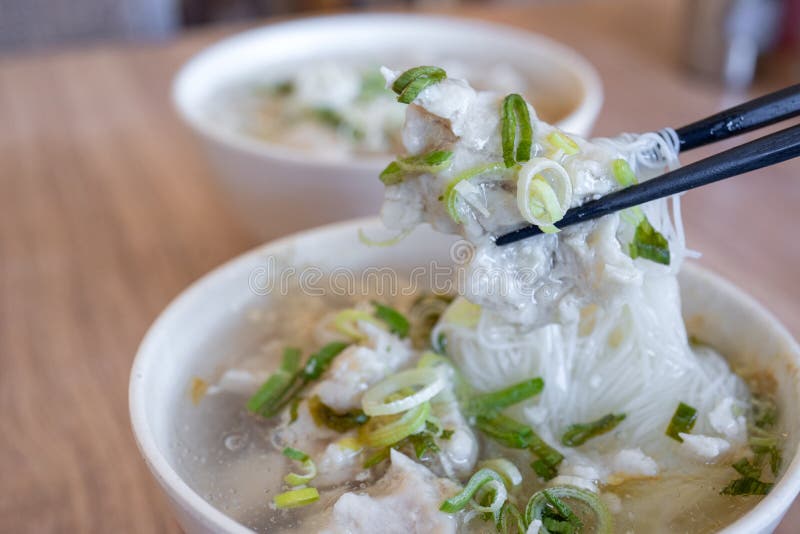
pixel 107 211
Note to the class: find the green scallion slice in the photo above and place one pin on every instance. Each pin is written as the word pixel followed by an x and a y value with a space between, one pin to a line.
pixel 423 442
pixel 563 142
pixel 623 173
pixel 269 398
pixel 319 362
pixel 378 457
pixel 295 454
pixel 549 507
pixel 498 400
pixel 325 416
pixel 682 421
pixel 413 81
pixel 547 460
pixel 431 162
pixel 477 481
pixel 747 469
pixel 511 520
pixel 505 430
pixel 296 498
pixel 449 196
pixel 295 479
pixel 649 244
pixel 747 486
pixel 515 115
pixel 385 431
pixel 580 433
pixel 393 174
pixel 395 320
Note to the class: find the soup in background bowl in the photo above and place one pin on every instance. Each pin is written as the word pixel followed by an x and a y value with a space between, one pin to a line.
pixel 268 179
pixel 213 470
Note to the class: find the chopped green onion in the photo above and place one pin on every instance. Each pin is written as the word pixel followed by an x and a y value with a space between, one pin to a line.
pixel 747 486
pixel 548 506
pixel 515 112
pixel 294 479
pixel 544 469
pixel 580 433
pixel 505 430
pixel 378 457
pixel 295 454
pixel 296 498
pixel 393 174
pixel 506 469
pixel 267 401
pixel 413 81
pixel 294 408
pixel 498 400
pixel 544 192
pixel 511 520
pixel 431 162
pixel 775 460
pixel 490 497
pixel 423 316
pixel 649 244
pixel 548 457
pixel 425 383
pixel 564 143
pixel 623 173
pixel 560 513
pixel 762 444
pixel 479 479
pixel 374 434
pixel 282 387
pixel 682 421
pixel 450 194
pixel 767 446
pixel 346 322
pixel 423 442
pixel 765 412
pixel 447 434
pixel 747 469
pixel 395 320
pixel 382 243
pixel 434 161
pixel 319 362
pixel 326 416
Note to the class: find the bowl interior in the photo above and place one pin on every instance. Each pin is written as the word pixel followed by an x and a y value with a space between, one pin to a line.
pixel 185 342
pixel 563 84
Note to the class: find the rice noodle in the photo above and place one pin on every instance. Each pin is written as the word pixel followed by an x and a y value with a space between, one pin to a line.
pixel 603 330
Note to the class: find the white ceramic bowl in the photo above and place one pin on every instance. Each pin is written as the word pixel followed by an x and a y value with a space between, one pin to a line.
pixel 719 313
pixel 270 185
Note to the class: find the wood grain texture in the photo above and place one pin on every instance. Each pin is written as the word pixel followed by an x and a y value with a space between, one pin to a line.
pixel 108 210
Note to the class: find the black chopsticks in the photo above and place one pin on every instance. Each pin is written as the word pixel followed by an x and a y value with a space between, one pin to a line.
pixel 762 152
pixel 752 115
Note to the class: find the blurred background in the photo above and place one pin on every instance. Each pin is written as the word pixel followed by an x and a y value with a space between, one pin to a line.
pixel 726 41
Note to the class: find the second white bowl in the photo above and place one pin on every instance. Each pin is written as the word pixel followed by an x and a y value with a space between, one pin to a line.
pixel 275 189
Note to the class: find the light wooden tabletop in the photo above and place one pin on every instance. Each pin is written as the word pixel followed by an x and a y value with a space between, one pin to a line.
pixel 107 210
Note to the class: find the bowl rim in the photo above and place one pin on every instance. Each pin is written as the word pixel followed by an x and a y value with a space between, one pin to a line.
pixel 786 489
pixel 587 109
